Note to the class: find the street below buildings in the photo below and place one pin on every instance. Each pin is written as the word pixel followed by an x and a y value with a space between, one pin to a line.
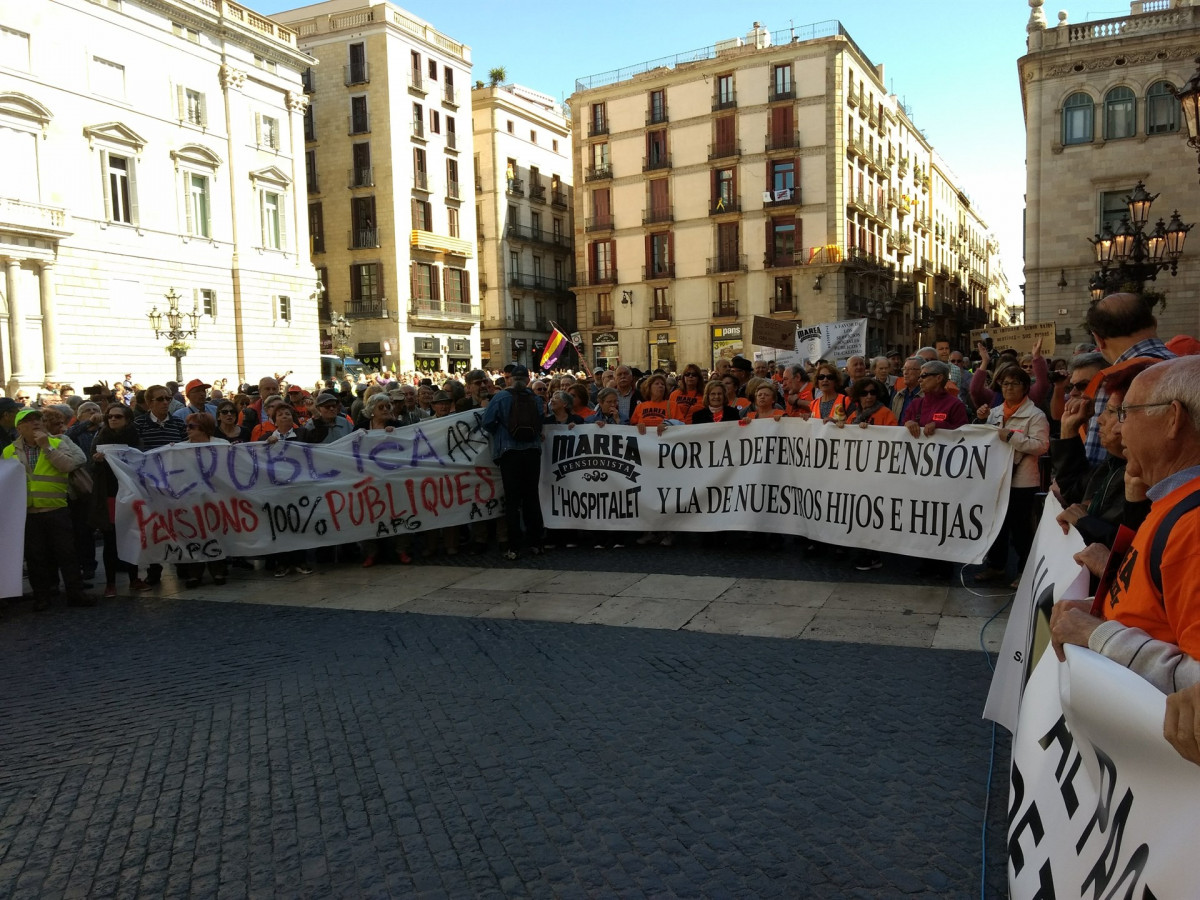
pixel 550 729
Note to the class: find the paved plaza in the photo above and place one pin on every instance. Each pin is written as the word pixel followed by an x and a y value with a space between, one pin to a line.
pixel 585 724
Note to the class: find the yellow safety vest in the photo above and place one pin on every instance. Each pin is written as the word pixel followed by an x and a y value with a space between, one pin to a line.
pixel 47 486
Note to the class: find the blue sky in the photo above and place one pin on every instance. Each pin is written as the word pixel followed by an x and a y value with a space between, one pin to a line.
pixel 953 64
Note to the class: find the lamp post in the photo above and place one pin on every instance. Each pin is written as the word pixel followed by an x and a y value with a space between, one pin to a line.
pixel 1189 104
pixel 339 331
pixel 175 332
pixel 1131 256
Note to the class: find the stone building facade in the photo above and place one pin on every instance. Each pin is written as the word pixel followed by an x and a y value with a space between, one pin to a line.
pixel 1099 117
pixel 388 149
pixel 150 147
pixel 524 207
pixel 767 176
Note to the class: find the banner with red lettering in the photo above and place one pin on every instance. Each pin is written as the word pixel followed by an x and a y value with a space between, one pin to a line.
pixel 941 497
pixel 12 526
pixel 198 502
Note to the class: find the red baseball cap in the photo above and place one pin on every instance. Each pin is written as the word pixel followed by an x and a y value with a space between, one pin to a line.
pixel 193 384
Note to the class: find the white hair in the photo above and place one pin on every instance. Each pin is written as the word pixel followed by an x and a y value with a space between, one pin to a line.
pixel 1175 379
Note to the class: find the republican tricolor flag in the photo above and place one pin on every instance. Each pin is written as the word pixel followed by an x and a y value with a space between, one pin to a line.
pixel 555 344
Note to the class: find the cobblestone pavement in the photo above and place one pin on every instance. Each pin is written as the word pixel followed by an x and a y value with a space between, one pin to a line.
pixel 168 748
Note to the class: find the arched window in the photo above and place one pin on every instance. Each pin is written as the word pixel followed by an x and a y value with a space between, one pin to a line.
pixel 1077 119
pixel 1120 114
pixel 1162 109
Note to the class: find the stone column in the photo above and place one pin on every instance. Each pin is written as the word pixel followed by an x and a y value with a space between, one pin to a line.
pixel 16 319
pixel 49 322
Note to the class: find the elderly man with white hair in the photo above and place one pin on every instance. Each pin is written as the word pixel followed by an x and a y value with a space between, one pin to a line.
pixel 1151 616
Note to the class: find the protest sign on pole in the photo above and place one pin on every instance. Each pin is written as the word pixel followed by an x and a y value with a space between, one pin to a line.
pixel 205 501
pixel 942 497
pixel 767 332
pixel 1018 337
pixel 12 526
pixel 833 340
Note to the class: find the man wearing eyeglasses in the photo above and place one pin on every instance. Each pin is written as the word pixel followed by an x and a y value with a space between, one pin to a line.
pixel 935 408
pixel 329 424
pixel 1151 620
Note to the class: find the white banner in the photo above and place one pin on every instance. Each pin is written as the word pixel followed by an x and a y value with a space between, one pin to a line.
pixel 1100 806
pixel 12 525
pixel 833 341
pixel 1050 575
pixel 877 488
pixel 195 503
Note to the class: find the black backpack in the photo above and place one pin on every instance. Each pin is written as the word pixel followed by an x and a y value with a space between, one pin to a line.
pixel 523 416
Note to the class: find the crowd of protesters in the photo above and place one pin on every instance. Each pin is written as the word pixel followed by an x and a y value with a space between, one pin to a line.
pixel 1112 430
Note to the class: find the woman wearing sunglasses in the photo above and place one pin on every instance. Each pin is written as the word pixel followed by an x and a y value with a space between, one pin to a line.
pixel 228 424
pixel 867 404
pixel 829 403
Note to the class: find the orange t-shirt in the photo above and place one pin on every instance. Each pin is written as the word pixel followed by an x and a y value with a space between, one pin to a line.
pixel 652 412
pixel 881 415
pixel 683 405
pixel 793 411
pixel 1174 614
pixel 753 414
pixel 260 432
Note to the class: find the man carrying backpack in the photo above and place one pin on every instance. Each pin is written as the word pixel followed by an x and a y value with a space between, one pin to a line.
pixel 514 419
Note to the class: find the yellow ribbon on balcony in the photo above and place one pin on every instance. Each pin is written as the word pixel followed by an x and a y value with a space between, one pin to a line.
pixel 440 243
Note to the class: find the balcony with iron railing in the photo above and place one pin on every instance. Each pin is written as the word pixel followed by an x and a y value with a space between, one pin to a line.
pixel 782 197
pixel 656 162
pixel 516 187
pixel 727 262
pixel 416 82
pixel 658 270
pixel 657 116
pixel 719 206
pixel 360 124
pixel 543 284
pixel 363 238
pixel 782 141
pixel 558 197
pixel 421 181
pixel 660 313
pixel 361 176
pixel 443 310
pixel 450 95
pixel 725 101
pixel 599 223
pixel 357 73
pixel 598 173
pixel 451 140
pixel 783 304
pixel 366 308
pixel 724 150
pixel 453 192
pixel 596 129
pixel 852 98
pixel 537 193
pixel 782 259
pixel 529 234
pixel 776 93
pixel 725 309
pixel 602 318
pixel 597 278
pixel 657 214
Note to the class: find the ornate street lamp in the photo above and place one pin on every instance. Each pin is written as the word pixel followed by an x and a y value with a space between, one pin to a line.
pixel 340 331
pixel 174 330
pixel 1189 104
pixel 1131 256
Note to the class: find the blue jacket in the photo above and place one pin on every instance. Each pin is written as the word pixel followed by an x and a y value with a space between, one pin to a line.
pixel 495 421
